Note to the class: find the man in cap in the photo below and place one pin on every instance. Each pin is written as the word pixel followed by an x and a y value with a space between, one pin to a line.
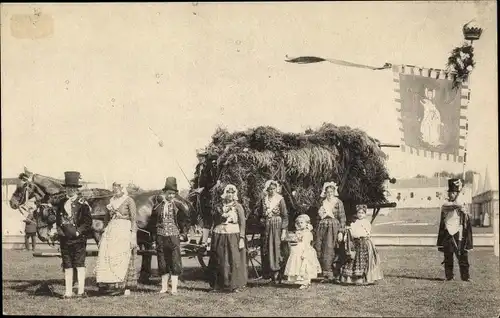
pixel 168 231
pixel 30 231
pixel 169 224
pixel 74 224
pixel 455 232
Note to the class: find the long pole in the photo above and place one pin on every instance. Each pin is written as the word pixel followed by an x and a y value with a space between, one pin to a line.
pixel 161 143
pixel 466 128
pixel 465 144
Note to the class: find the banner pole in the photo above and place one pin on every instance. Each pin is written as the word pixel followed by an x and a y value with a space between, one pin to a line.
pixel 466 131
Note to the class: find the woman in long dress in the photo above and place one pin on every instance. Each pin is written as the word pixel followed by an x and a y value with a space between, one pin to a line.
pixel 227 266
pixel 329 230
pixel 273 216
pixel 115 268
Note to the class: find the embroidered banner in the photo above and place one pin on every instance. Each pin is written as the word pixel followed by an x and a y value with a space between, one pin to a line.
pixel 432 115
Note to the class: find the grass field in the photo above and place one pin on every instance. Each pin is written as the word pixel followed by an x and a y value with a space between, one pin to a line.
pixel 413 286
pixel 413 221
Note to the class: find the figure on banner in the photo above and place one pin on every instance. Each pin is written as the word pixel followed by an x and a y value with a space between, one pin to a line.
pixel 430 125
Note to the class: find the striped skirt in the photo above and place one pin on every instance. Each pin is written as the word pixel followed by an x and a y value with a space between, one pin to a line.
pixel 357 266
pixel 272 258
pixel 364 267
pixel 116 260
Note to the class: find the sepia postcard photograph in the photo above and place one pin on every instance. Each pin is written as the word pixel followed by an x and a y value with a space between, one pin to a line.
pixel 250 159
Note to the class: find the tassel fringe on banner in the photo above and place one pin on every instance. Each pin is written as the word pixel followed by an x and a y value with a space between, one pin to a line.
pixel 314 59
pixel 464 94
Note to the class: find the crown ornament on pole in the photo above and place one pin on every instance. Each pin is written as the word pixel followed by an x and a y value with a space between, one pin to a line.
pixel 472 31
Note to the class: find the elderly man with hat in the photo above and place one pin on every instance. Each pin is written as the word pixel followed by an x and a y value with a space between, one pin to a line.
pixel 455 232
pixel 74 223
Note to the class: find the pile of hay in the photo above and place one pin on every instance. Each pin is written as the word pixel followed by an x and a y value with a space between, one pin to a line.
pixel 300 162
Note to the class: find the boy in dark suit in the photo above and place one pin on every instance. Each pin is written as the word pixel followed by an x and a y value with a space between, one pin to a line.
pixel 74 223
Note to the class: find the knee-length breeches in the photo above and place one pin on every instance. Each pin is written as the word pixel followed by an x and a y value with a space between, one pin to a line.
pixel 168 250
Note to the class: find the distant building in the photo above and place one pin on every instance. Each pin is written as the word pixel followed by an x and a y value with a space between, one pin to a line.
pixel 423 192
pixel 8 187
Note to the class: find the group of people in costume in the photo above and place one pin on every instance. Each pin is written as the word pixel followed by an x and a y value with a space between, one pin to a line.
pixel 333 249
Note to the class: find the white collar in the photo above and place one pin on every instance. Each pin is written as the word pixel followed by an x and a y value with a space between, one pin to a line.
pixel 117 202
pixel 271 203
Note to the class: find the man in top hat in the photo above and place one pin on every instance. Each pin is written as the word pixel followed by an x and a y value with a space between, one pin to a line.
pixel 74 224
pixel 455 232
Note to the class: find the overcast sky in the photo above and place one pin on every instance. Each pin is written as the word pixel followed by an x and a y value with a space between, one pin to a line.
pixel 84 97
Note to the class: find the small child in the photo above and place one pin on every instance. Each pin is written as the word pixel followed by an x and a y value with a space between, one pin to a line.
pixel 303 264
pixel 362 266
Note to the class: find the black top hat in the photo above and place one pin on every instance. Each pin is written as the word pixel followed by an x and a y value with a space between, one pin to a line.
pixel 170 184
pixel 72 179
pixel 454 185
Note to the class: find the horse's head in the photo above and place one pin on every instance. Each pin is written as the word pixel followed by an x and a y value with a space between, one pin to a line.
pixel 26 191
pixel 20 196
pixel 148 200
pixel 33 187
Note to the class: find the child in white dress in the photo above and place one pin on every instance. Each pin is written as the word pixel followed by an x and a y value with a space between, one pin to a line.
pixel 303 264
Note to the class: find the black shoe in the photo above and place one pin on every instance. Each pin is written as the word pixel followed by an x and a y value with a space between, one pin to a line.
pixel 448 279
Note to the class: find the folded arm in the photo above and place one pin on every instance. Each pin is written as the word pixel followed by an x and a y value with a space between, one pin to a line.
pixel 133 215
pixel 86 224
pixel 341 215
pixel 241 220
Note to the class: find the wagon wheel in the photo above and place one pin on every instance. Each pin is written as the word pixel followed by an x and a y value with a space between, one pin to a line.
pixel 254 260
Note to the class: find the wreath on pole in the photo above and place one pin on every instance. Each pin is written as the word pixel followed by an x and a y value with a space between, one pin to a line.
pixel 461 63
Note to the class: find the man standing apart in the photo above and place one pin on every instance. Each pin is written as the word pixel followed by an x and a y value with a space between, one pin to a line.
pixel 455 232
pixel 74 223
pixel 30 232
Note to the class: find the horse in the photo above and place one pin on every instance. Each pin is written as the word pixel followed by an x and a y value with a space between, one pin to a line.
pixel 45 191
